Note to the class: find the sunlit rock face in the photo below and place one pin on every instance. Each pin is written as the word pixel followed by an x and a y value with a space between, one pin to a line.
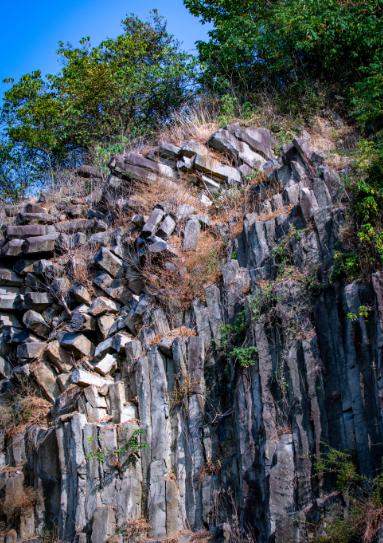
pixel 135 408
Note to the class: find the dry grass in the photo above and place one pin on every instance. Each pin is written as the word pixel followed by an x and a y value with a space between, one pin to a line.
pixel 22 412
pixel 285 210
pixel 78 264
pixel 173 193
pixel 192 272
pixel 20 501
pixel 210 468
pixel 131 530
pixel 371 522
pixel 68 186
pixel 201 537
pixel 192 122
pixel 183 389
pixel 182 331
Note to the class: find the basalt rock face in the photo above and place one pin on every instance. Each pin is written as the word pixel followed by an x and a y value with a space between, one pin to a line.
pixel 155 431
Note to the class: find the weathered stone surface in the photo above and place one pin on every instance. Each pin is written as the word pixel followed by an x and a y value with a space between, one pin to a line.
pixel 102 305
pixel 81 225
pixel 59 358
pixel 37 300
pixel 167 227
pixel 35 322
pixel 158 245
pixel 258 139
pixel 138 167
pixel 28 231
pixel 108 261
pixel 13 247
pixel 106 364
pixel 150 227
pixel 35 218
pixel 9 302
pixel 40 244
pixel 216 170
pixel 191 148
pixel 88 171
pixel 85 378
pixel 80 294
pixel 104 324
pixel 191 235
pixel 240 152
pixel 46 380
pixel 10 278
pixel 31 350
pixel 82 322
pixel 78 344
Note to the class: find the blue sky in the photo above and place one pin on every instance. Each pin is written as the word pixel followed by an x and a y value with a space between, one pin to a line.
pixel 31 29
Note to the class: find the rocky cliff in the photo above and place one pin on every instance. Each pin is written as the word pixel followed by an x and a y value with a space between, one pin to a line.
pixel 171 369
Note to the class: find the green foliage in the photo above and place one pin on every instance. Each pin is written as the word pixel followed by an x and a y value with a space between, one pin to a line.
pixel 366 189
pixel 232 333
pixel 364 496
pixel 131 450
pixel 103 94
pixel 263 301
pixel 346 265
pixel 340 464
pixel 244 356
pixel 233 339
pixel 285 43
pixel 362 313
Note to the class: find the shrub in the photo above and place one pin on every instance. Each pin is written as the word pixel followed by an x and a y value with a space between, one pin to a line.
pixel 121 88
pixel 365 498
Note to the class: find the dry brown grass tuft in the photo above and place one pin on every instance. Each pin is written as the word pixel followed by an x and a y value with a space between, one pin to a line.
pixel 190 274
pixel 371 522
pixel 195 122
pixel 183 389
pixel 182 331
pixel 78 264
pixel 201 537
pixel 209 468
pixel 173 193
pixel 132 529
pixel 285 210
pixel 21 412
pixel 20 501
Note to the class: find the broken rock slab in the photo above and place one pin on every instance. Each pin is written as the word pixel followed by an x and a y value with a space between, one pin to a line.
pixel 102 305
pixel 108 261
pixel 85 378
pixel 258 139
pixel 216 170
pixel 78 344
pixel 106 364
pixel 30 350
pixel 35 322
pixel 37 300
pixel 191 235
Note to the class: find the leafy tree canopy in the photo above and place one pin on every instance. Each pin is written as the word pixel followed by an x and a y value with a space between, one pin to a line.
pixel 122 87
pixel 279 43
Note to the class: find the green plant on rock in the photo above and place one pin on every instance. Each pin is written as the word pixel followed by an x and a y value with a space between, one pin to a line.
pixel 364 496
pixel 345 265
pixel 244 356
pixel 233 340
pixel 263 301
pixel 362 313
pixel 131 450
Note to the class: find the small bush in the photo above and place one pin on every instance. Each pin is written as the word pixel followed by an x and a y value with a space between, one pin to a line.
pixel 365 497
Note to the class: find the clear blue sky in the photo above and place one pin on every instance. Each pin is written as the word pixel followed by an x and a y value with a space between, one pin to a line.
pixel 31 29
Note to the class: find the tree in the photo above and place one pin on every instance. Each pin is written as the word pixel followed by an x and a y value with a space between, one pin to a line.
pixel 120 89
pixel 255 45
